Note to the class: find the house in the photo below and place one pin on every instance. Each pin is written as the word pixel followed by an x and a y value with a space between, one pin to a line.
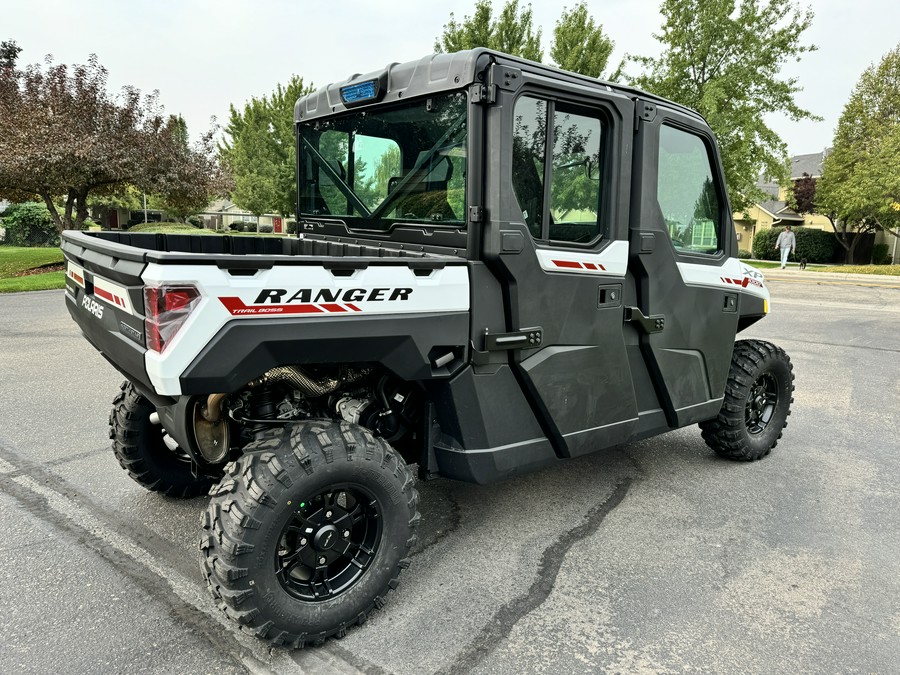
pixel 775 212
pixel 222 213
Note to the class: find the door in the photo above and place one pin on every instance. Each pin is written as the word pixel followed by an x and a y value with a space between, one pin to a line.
pixel 681 236
pixel 556 237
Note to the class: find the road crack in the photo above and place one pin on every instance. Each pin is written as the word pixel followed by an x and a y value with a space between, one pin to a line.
pixel 504 620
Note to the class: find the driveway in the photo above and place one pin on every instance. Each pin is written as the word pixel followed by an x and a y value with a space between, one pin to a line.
pixel 654 557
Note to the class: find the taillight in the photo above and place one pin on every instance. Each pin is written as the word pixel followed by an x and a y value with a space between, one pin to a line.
pixel 166 308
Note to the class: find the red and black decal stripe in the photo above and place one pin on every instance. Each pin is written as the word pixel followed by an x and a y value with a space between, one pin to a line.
pixel 237 307
pixel 576 265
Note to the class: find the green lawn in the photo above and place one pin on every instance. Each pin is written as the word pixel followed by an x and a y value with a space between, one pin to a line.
pixel 174 228
pixel 886 270
pixel 34 282
pixel 15 259
pixel 761 264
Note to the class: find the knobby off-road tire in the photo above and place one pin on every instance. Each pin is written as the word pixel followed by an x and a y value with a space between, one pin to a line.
pixel 308 531
pixel 758 397
pixel 139 446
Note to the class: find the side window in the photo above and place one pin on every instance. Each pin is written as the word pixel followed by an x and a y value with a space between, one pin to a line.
pixel 334 147
pixel 569 211
pixel 375 160
pixel 686 191
pixel 529 150
pixel 575 181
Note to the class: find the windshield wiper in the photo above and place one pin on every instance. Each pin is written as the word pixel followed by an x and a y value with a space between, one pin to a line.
pixel 416 171
pixel 336 179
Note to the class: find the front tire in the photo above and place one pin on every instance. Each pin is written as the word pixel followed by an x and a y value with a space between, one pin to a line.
pixel 308 531
pixel 139 444
pixel 758 397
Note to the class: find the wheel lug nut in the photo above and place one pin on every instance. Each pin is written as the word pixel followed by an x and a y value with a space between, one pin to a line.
pixel 322 560
pixel 328 514
pixel 303 541
pixel 346 533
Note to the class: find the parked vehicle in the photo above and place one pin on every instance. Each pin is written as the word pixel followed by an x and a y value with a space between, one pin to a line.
pixel 500 266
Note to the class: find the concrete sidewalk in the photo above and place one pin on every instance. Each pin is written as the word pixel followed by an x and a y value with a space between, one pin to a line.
pixel 794 274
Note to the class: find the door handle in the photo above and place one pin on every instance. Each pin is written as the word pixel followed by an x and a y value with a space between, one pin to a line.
pixel 655 323
pixel 526 338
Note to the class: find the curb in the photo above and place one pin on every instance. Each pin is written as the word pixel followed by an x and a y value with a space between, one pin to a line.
pixel 797 276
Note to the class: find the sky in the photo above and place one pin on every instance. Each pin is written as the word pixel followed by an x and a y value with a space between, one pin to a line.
pixel 203 55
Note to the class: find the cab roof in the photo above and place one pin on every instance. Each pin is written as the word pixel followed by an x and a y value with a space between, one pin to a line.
pixel 445 72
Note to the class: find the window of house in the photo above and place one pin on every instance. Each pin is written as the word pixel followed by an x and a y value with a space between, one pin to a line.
pixel 687 193
pixel 569 211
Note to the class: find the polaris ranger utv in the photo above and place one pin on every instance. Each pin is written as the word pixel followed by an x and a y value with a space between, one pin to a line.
pixel 500 266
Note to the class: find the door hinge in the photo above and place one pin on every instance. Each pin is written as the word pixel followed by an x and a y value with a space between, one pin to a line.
pixel 643 112
pixel 526 338
pixel 655 323
pixel 476 214
pixel 484 94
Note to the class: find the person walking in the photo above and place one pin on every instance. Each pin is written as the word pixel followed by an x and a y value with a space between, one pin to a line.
pixel 786 243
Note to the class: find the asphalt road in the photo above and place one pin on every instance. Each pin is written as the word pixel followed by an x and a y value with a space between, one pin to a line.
pixel 652 557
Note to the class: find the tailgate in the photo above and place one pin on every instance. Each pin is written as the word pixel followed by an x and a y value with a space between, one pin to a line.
pixel 104 295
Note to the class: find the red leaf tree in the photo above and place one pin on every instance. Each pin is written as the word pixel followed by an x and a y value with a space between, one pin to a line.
pixel 63 137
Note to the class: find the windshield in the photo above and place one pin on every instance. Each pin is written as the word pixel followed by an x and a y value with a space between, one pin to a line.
pixel 375 167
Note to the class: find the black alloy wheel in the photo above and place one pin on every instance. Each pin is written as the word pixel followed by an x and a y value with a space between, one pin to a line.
pixel 329 543
pixel 308 531
pixel 761 403
pixel 757 402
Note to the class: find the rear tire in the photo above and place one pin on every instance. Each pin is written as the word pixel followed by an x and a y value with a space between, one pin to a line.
pixel 308 531
pixel 758 397
pixel 140 447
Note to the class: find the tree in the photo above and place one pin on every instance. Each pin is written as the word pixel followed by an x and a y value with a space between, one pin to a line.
pixel 64 138
pixel 804 200
pixel 9 54
pixel 260 153
pixel 803 194
pixel 578 44
pixel 186 177
pixel 723 58
pixel 860 184
pixel 512 32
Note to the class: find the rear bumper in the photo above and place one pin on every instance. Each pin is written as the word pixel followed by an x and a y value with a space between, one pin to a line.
pixel 124 354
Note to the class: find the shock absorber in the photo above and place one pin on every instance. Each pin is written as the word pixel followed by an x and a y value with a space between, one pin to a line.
pixel 262 406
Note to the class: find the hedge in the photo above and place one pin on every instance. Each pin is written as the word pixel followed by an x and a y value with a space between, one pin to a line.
pixel 29 224
pixel 817 246
pixel 881 254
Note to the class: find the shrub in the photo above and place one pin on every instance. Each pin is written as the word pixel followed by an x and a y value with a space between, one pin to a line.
pixel 29 224
pixel 744 254
pixel 196 221
pixel 236 226
pixel 880 254
pixel 817 246
pixel 291 227
pixel 764 244
pixel 266 229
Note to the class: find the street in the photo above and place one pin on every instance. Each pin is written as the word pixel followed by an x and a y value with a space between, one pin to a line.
pixel 653 557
